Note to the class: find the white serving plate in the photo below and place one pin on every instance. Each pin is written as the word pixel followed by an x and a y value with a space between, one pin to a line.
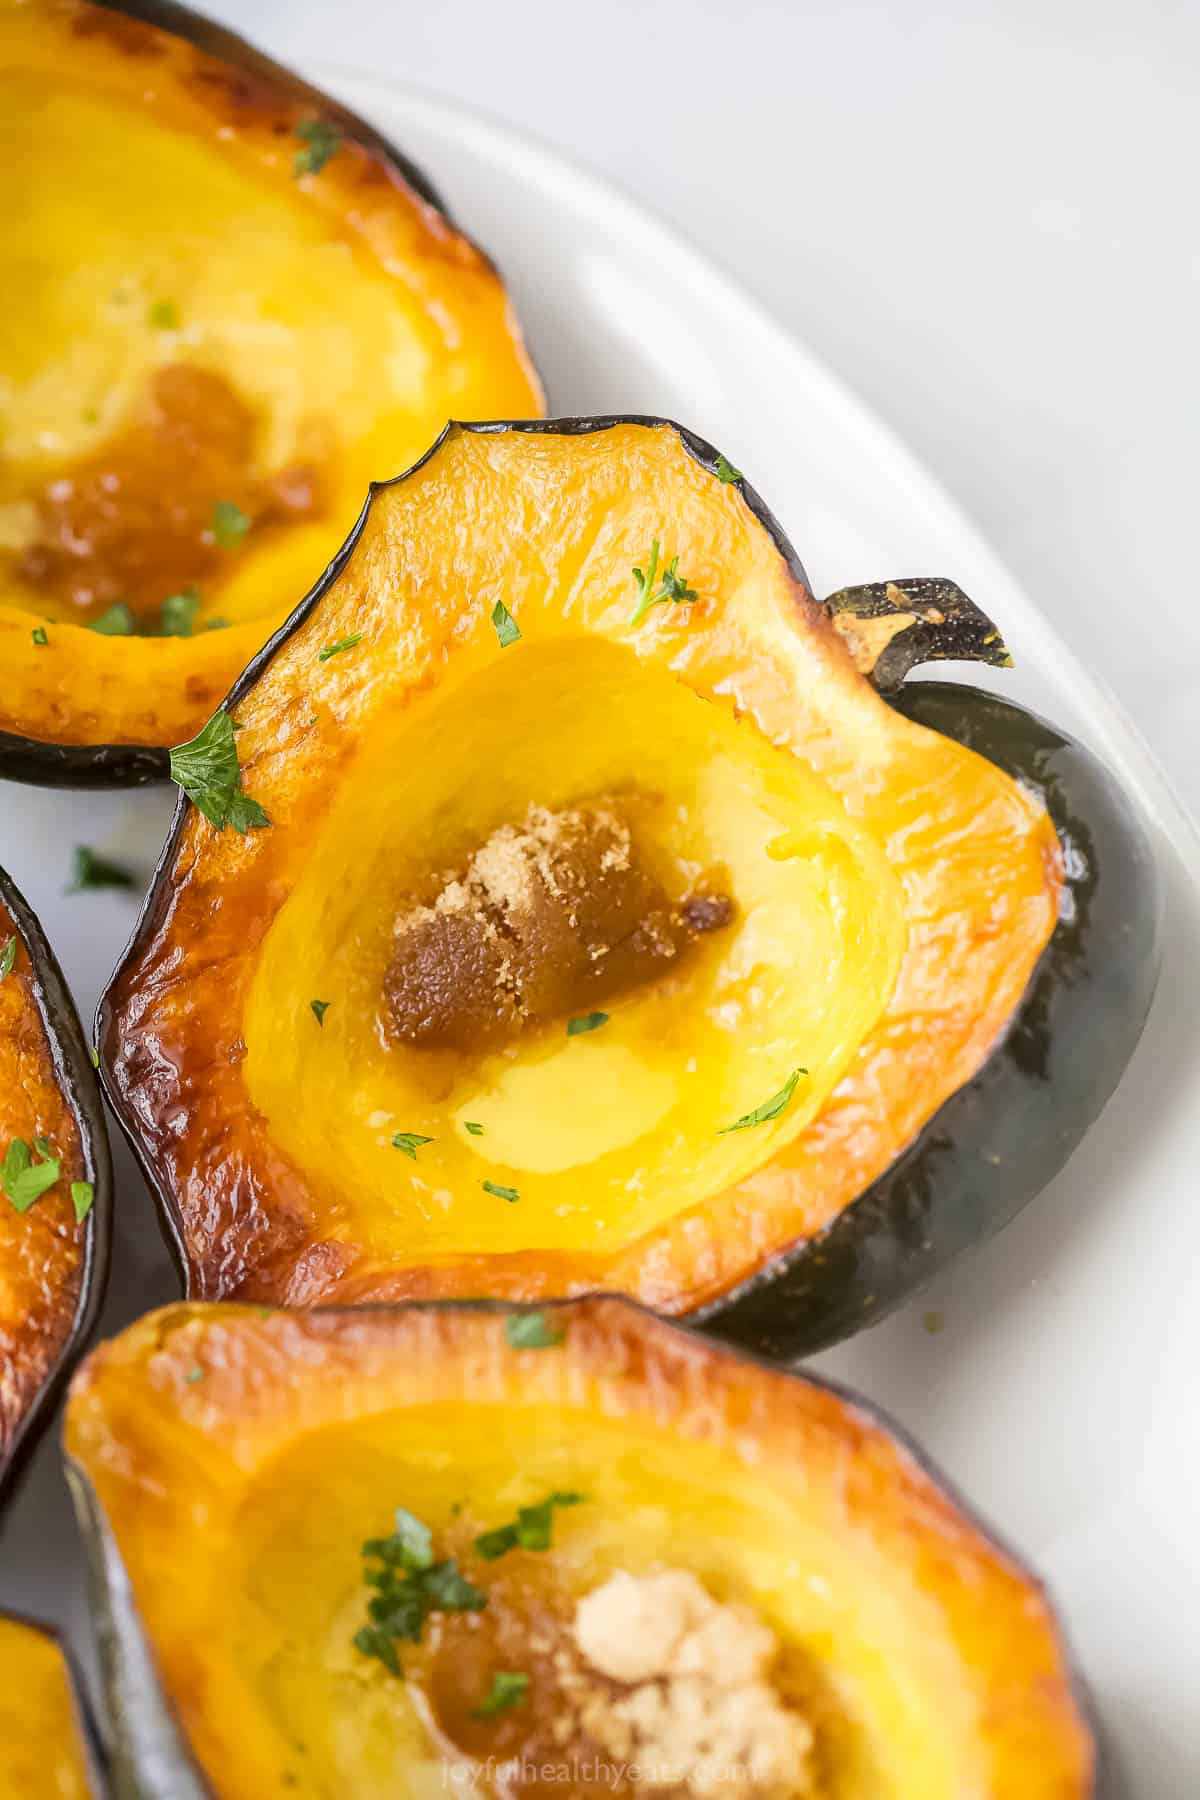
pixel 1061 1393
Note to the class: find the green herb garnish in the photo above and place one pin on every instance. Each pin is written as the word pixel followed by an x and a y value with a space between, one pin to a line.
pixel 193 1376
pixel 530 1530
pixel 215 625
pixel 23 1180
pixel 532 1331
pixel 229 524
pixel 95 1057
pixel 726 471
pixel 319 1008
pixel 473 1126
pixel 92 871
pixel 589 1022
pixel 208 771
pixel 118 621
pixel 163 315
pixel 343 644
pixel 177 614
pixel 770 1109
pixel 410 1142
pixel 507 1690
pixel 321 141
pixel 408 1585
pixel 507 629
pixel 38 634
pixel 8 957
pixel 671 586
pixel 501 1193
pixel 82 1195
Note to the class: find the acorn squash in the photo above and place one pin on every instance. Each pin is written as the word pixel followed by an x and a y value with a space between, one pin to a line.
pixel 48 1749
pixel 237 1474
pixel 609 928
pixel 55 1181
pixel 237 304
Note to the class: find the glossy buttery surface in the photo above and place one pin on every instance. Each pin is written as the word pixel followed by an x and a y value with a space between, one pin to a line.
pixel 160 229
pixel 935 1658
pixel 1087 1487
pixel 893 892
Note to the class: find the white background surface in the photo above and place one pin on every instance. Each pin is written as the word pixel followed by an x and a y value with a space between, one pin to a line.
pixel 983 215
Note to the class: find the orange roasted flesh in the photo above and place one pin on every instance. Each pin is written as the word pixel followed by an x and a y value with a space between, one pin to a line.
pixel 233 1466
pixel 881 897
pixel 223 328
pixel 43 1250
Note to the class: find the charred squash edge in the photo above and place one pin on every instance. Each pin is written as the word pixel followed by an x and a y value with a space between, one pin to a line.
pixel 40 763
pixel 879 1251
pixel 77 1080
pixel 95 1755
pixel 151 1759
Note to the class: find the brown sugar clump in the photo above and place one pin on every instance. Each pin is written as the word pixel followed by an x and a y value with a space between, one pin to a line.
pixel 696 1710
pixel 548 918
pixel 133 520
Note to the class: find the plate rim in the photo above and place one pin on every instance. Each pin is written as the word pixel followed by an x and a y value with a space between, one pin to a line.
pixel 1114 734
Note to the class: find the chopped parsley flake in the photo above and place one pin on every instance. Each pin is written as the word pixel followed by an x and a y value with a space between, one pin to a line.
pixel 8 957
pixel 507 1689
pixel 501 1193
pixel 342 645
pixel 589 1022
pixel 319 1008
pixel 532 1331
pixel 532 1528
pixel 23 1180
pixel 92 871
pixel 410 1142
pixel 82 1195
pixel 118 621
pixel 321 142
pixel 229 524
pixel 726 471
pixel 507 629
pixel 207 770
pixel 38 634
pixel 193 1376
pixel 408 1585
pixel 671 586
pixel 473 1126
pixel 177 614
pixel 163 315
pixel 770 1109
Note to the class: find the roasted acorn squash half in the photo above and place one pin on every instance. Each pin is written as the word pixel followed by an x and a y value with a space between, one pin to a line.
pixel 236 305
pixel 55 1181
pixel 610 929
pixel 579 1490
pixel 48 1744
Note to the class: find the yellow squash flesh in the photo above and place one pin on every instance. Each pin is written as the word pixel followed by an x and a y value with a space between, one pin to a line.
pixel 157 221
pixel 240 1461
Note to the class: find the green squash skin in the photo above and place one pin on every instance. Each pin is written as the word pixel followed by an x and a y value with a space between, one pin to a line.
pixel 81 1089
pixel 43 764
pixel 1092 990
pixel 149 1757
pixel 999 1140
